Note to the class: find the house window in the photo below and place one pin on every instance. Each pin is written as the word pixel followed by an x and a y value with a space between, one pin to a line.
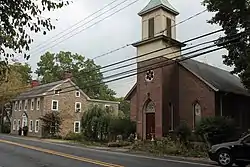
pixel 77 126
pixel 151 28
pixel 20 105
pixel 54 105
pixel 77 107
pixel 169 27
pixel 77 93
pixel 16 105
pixel 32 104
pixel 31 126
pixel 38 104
pixel 19 124
pixel 196 114
pixel 14 125
pixel 25 105
pixel 57 92
pixel 37 126
pixel 171 116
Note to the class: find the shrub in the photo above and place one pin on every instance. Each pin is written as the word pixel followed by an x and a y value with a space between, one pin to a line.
pixel 183 132
pixel 6 127
pixel 74 136
pixel 216 129
pixel 119 144
pixel 25 130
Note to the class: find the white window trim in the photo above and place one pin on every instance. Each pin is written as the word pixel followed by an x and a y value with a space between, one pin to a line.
pixel 18 125
pixel 14 125
pixel 57 105
pixel 20 106
pixel 32 108
pixel 36 128
pixel 38 106
pixel 16 106
pixel 76 93
pixel 25 105
pixel 75 126
pixel 31 126
pixel 80 106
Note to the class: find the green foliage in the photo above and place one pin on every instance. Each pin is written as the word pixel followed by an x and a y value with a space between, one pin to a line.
pixel 168 146
pixel 183 132
pixel 233 17
pixel 86 74
pixel 6 127
pixel 25 130
pixel 216 129
pixel 124 107
pixel 122 126
pixel 24 70
pixel 19 19
pixel 119 144
pixel 95 123
pixel 51 123
pixel 74 136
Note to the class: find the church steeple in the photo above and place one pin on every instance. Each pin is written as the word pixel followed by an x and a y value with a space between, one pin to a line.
pixel 155 4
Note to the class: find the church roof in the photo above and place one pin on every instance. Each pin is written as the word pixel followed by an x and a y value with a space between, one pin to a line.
pixel 154 4
pixel 216 78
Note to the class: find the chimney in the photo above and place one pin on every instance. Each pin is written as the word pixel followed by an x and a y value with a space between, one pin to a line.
pixel 67 75
pixel 34 83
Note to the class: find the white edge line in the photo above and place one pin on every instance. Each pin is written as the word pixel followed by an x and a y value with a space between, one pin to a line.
pixel 117 153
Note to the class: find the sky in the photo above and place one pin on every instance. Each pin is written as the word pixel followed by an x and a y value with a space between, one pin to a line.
pixel 122 28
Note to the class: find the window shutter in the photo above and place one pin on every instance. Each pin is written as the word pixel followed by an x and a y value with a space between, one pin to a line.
pixel 169 27
pixel 151 27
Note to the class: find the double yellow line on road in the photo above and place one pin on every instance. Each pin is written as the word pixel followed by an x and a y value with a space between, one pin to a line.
pixel 62 154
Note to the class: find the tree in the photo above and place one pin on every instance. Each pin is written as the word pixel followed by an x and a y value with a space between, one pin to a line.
pixel 234 17
pixel 124 107
pixel 19 19
pixel 86 74
pixel 51 123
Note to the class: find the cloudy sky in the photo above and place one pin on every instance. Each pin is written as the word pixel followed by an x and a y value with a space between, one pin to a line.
pixel 118 30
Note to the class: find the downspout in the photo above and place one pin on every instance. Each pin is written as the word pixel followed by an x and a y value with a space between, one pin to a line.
pixel 221 105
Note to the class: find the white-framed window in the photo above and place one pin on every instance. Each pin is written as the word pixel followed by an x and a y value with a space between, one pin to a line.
pixel 108 107
pixel 38 104
pixel 77 127
pixel 18 124
pixel 37 126
pixel 20 105
pixel 54 105
pixel 196 114
pixel 14 125
pixel 171 116
pixel 25 105
pixel 78 94
pixel 32 104
pixel 31 126
pixel 16 105
pixel 78 107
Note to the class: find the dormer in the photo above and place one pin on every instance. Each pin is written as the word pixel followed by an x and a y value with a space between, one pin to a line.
pixel 158 18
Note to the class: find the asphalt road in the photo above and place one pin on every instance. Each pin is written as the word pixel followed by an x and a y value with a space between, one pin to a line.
pixel 15 151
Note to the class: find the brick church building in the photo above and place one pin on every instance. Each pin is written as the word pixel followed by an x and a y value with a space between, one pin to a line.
pixel 183 90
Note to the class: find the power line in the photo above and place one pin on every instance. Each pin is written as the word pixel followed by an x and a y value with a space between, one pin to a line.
pixel 189 40
pixel 89 26
pixel 44 42
pixel 130 75
pixel 166 61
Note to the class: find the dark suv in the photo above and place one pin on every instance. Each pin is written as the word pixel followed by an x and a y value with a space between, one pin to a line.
pixel 226 154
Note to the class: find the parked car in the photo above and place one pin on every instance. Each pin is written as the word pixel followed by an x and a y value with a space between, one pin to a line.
pixel 236 152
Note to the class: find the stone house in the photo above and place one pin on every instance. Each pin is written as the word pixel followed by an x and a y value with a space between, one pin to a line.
pixel 61 96
pixel 172 91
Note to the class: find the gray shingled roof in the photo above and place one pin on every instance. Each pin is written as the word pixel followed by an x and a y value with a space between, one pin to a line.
pixel 154 4
pixel 218 78
pixel 38 90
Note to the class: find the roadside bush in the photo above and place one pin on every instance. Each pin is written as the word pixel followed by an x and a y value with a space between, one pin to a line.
pixel 74 136
pixel 119 144
pixel 216 130
pixel 6 128
pixel 183 132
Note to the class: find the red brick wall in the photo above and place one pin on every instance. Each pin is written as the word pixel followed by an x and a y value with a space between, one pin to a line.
pixel 192 89
pixel 133 106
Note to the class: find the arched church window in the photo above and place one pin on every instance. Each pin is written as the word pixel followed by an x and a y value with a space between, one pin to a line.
pixel 150 107
pixel 196 114
pixel 149 76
